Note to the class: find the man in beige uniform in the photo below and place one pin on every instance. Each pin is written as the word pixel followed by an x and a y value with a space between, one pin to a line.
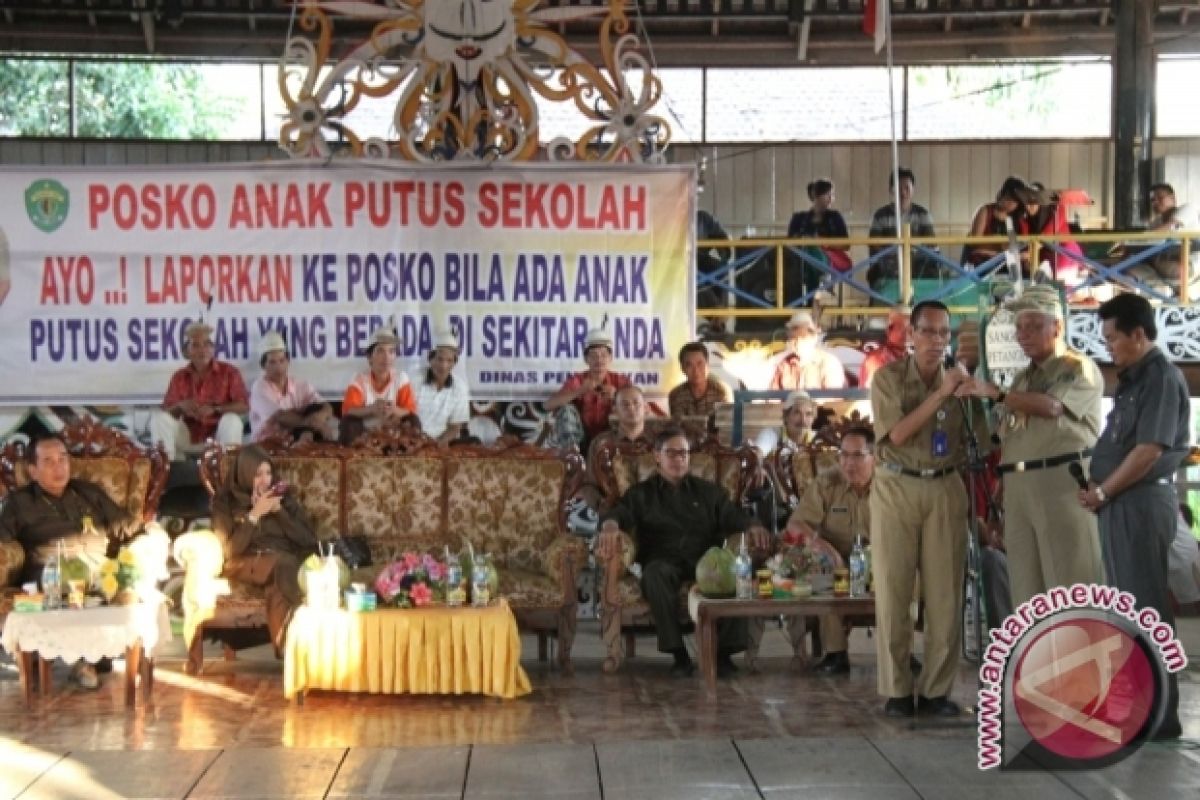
pixel 1051 418
pixel 919 513
pixel 836 506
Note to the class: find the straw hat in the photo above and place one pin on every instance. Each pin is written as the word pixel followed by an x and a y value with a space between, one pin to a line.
pixel 597 337
pixel 270 343
pixel 445 339
pixel 802 319
pixel 796 398
pixel 1042 298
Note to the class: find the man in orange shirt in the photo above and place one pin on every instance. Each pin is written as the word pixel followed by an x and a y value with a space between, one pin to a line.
pixel 894 347
pixel 380 394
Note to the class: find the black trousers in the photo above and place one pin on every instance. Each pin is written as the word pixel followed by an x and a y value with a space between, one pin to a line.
pixel 1136 531
pixel 661 581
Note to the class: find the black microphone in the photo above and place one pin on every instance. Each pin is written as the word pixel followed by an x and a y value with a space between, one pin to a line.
pixel 948 362
pixel 1076 470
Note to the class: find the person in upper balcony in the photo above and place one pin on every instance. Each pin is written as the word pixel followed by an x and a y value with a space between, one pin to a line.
pixel 585 402
pixel 996 219
pixel 883 224
pixel 1044 216
pixel 205 399
pixel 822 221
pixel 1163 271
pixel 443 401
pixel 699 394
pixel 381 394
pixel 281 404
pixel 807 365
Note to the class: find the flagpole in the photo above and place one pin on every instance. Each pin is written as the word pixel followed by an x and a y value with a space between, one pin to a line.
pixel 887 23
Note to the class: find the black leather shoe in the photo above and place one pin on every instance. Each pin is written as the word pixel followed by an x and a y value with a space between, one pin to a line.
pixel 898 707
pixel 725 666
pixel 914 665
pixel 683 669
pixel 938 707
pixel 834 664
pixel 1170 729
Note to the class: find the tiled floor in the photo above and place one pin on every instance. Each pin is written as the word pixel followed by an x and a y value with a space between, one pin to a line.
pixel 639 734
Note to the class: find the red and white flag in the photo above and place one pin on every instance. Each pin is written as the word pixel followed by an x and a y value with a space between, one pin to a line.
pixel 875 21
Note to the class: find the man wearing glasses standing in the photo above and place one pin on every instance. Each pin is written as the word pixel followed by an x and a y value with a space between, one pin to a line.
pixel 836 506
pixel 674 518
pixel 918 514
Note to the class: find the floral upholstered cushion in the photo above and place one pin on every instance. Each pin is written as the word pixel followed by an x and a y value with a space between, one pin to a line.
pixel 631 469
pixel 112 474
pixel 526 589
pixel 12 559
pixel 704 465
pixel 397 503
pixel 315 483
pixel 806 464
pixel 507 507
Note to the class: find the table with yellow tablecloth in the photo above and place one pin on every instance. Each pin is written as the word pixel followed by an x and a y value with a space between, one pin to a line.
pixel 429 650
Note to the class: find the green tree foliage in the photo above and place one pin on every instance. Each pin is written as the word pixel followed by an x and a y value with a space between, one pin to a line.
pixel 123 100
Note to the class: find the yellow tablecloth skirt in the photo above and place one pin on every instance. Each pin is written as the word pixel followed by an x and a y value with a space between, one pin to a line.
pixel 432 650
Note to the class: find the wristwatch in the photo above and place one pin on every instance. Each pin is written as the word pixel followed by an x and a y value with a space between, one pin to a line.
pixel 1100 495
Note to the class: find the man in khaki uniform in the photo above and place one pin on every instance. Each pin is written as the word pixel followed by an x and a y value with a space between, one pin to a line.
pixel 1051 418
pixel 919 513
pixel 836 506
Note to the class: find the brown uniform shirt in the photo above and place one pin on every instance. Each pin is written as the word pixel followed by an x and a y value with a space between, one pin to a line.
pixel 1074 380
pixel 683 404
pixel 833 509
pixel 896 391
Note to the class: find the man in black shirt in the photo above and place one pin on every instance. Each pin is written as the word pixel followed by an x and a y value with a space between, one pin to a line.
pixel 1133 465
pixel 674 518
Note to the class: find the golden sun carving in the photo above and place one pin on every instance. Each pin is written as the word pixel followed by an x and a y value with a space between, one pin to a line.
pixel 465 74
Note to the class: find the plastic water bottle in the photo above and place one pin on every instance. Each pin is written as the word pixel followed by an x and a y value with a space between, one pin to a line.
pixel 743 573
pixel 454 578
pixel 52 580
pixel 858 569
pixel 480 593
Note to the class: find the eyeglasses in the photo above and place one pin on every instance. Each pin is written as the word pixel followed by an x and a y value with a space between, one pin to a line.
pixel 934 333
pixel 853 456
pixel 671 452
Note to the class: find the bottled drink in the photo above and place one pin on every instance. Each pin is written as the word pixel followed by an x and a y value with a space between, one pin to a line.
pixel 858 569
pixel 52 580
pixel 480 593
pixel 743 573
pixel 455 596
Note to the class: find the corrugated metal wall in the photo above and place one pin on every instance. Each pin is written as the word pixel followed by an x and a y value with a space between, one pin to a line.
pixel 761 185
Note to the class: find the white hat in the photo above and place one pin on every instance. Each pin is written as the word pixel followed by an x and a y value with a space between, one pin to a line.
pixel 803 318
pixel 597 337
pixel 445 339
pixel 196 328
pixel 270 343
pixel 384 335
pixel 796 398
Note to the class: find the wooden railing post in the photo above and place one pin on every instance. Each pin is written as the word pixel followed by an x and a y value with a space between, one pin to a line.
pixel 905 261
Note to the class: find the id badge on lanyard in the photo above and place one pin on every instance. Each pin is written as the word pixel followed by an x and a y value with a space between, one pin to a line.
pixel 940 441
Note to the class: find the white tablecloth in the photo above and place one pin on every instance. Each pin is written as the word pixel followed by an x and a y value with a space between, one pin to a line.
pixel 87 633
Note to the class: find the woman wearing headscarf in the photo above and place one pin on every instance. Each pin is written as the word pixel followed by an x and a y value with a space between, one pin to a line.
pixel 266 535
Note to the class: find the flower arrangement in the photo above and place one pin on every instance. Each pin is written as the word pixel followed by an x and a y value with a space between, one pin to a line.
pixel 413 579
pixel 120 577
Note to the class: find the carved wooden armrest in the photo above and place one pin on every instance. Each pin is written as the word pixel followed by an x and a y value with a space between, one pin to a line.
pixel 564 557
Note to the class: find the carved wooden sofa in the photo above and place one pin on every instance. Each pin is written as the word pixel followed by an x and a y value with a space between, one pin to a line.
pixel 133 476
pixel 619 465
pixel 406 493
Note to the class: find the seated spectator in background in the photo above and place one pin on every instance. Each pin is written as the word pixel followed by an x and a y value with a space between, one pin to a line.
pixel 281 404
pixel 204 399
pixel 674 518
pixel 381 394
pixel 630 407
pixel 1163 271
pixel 883 224
pixel 585 401
pixel 266 535
pixel 443 401
pixel 821 221
pixel 894 347
pixel 699 394
pixel 1047 218
pixel 997 219
pixel 52 508
pixel 805 364
pixel 835 506
pixel 1183 562
pixel 799 415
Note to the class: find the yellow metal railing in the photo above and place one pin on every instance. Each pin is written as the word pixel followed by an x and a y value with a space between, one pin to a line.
pixel 859 298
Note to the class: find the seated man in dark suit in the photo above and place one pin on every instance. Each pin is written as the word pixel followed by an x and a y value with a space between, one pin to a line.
pixel 52 508
pixel 674 518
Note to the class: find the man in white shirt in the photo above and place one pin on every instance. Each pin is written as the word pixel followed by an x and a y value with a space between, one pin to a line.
pixel 806 364
pixel 281 404
pixel 1163 271
pixel 443 401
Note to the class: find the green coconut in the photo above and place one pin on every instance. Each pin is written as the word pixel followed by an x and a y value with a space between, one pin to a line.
pixel 76 569
pixel 314 563
pixel 714 573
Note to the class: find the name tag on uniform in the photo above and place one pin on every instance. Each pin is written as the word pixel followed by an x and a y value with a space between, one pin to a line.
pixel 839 510
pixel 941 443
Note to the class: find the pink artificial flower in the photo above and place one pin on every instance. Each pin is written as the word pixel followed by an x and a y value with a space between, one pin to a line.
pixel 411 561
pixel 436 571
pixel 420 594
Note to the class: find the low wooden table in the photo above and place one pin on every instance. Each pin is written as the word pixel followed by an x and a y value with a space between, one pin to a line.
pixel 429 650
pixel 134 631
pixel 708 611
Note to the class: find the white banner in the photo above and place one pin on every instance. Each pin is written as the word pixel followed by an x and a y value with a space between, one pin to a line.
pixel 101 270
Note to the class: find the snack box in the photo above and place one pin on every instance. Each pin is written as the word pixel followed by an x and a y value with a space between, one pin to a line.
pixel 361 601
pixel 26 602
